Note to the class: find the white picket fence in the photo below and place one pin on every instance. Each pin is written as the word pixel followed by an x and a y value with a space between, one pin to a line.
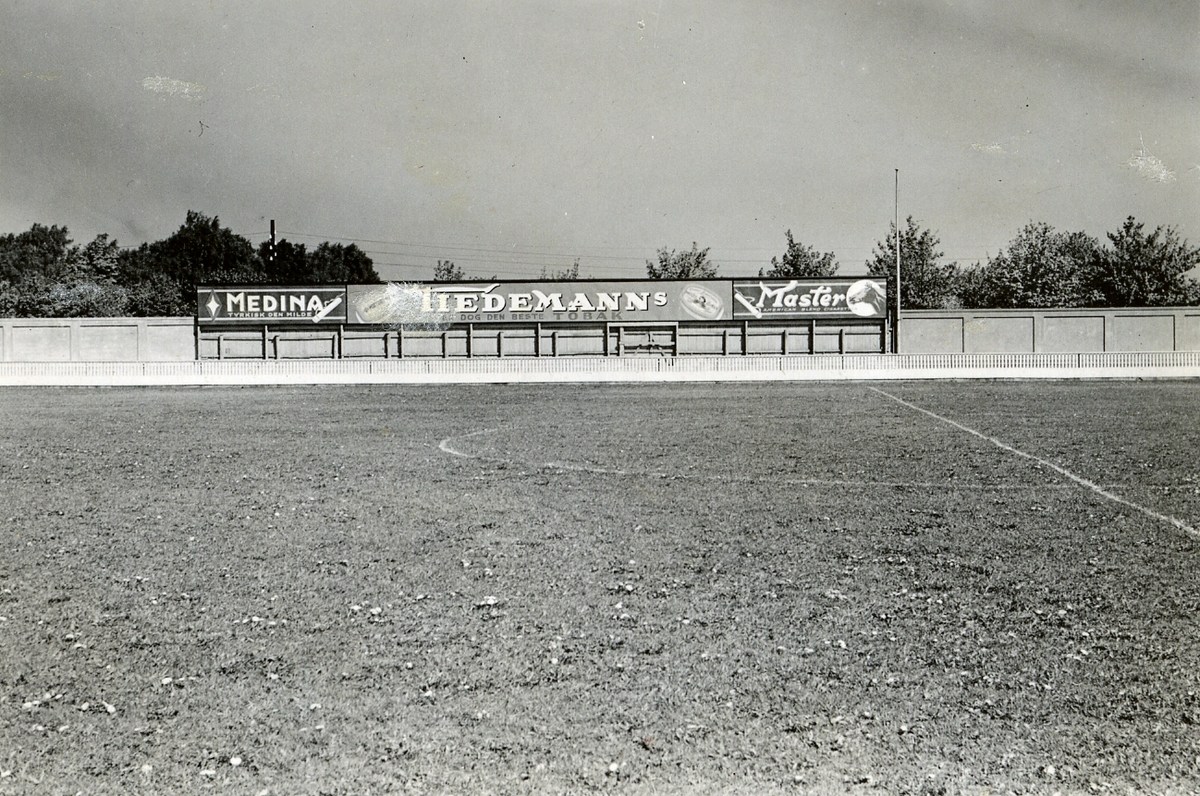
pixel 1179 364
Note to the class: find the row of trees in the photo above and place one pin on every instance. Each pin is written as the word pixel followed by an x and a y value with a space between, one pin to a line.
pixel 42 274
pixel 1040 267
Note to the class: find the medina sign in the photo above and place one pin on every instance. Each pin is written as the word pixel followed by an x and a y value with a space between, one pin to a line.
pixel 425 303
pixel 274 305
pixel 768 299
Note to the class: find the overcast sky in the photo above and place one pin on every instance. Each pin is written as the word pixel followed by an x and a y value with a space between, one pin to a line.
pixel 517 135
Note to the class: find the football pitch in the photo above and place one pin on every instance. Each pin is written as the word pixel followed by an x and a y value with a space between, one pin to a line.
pixel 899 588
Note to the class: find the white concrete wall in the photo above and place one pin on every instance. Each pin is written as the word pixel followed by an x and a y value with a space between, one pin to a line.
pixel 97 339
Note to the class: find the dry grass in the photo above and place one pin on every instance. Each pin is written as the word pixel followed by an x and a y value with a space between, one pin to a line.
pixel 725 589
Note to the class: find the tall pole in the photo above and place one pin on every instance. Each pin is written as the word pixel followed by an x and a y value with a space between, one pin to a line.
pixel 896 346
pixel 271 256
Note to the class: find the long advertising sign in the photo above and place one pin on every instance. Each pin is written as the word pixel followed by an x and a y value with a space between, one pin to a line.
pixel 273 305
pixel 525 302
pixel 770 299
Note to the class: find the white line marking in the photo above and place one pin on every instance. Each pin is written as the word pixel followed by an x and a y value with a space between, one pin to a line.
pixel 444 445
pixel 912 484
pixel 1180 524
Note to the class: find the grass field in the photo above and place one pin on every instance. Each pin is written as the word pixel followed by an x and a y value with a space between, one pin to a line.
pixel 750 589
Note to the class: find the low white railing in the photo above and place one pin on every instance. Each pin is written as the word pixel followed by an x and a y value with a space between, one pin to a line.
pixel 1183 364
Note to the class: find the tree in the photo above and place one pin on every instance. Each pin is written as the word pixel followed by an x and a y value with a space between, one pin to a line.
pixel 158 296
pixel 284 262
pixel 98 262
pixel 1040 267
pixel 692 264
pixel 447 271
pixel 1140 270
pixel 562 275
pixel 333 263
pixel 924 282
pixel 201 251
pixel 38 253
pixel 72 300
pixel 799 261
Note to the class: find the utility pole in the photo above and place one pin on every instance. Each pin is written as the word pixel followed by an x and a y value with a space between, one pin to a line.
pixel 271 254
pixel 896 222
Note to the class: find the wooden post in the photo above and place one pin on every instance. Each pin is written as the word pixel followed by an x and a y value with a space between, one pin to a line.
pixel 745 338
pixel 264 341
pixel 537 339
pixel 341 334
pixel 812 335
pixel 842 340
pixel 784 342
pixel 470 338
pixel 620 341
pixel 500 343
pixel 220 346
pixel 445 345
pixel 400 343
pixel 554 343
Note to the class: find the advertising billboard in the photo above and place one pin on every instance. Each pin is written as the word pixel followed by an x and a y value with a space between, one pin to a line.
pixel 423 304
pixel 273 305
pixel 846 297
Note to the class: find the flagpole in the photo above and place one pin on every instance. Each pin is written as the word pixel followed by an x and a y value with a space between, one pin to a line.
pixel 896 345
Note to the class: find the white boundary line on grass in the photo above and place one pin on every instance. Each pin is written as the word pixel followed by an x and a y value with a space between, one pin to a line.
pixel 445 447
pixel 1099 490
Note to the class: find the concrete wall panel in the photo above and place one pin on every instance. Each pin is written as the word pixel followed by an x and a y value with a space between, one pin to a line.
pixel 40 343
pixel 1002 335
pixel 939 335
pixel 1187 333
pixel 107 343
pixel 1072 334
pixel 1142 333
pixel 168 342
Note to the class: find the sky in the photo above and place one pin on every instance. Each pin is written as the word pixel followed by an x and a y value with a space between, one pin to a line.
pixel 516 137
